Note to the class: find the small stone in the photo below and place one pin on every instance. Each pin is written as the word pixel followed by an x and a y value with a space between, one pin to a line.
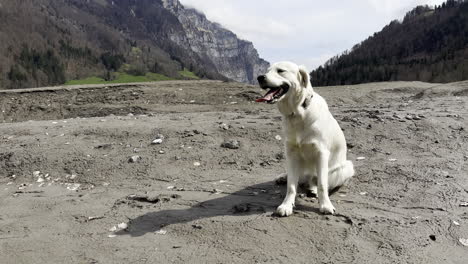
pixel 197 164
pixel 360 158
pixel 197 226
pixel 161 152
pixel 122 225
pixel 134 159
pixel 112 235
pixel 216 191
pixel 432 237
pixel 363 193
pixel 73 187
pixel 224 126
pixel 161 232
pixel 157 141
pixel 392 160
pixel 231 144
pixel 464 241
pixel 464 204
pixel 278 137
pixel 36 173
pixel 455 223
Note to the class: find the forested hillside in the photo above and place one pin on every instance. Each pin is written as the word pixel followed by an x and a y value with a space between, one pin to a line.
pixel 49 42
pixel 430 44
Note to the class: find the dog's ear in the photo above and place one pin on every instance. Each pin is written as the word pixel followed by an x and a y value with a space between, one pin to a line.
pixel 303 76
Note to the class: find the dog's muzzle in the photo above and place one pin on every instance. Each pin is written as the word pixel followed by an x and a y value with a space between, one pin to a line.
pixel 274 93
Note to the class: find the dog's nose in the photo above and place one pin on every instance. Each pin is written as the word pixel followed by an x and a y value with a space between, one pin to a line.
pixel 261 78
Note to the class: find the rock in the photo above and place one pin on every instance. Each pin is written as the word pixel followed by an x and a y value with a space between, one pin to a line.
pixel 197 226
pixel 241 208
pixel 360 158
pixel 73 187
pixel 224 126
pixel 464 204
pixel 280 156
pixel 161 232
pixel 157 141
pixel 432 237
pixel 197 164
pixel 278 137
pixel 463 241
pixel 234 58
pixel 216 191
pixel 122 226
pixel 231 144
pixel 134 159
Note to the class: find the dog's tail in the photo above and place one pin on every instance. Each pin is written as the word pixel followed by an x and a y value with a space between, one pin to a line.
pixel 340 175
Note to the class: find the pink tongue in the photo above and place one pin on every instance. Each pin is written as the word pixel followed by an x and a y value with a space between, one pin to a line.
pixel 267 97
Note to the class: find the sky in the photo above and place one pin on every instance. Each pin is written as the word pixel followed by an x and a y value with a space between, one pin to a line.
pixel 307 32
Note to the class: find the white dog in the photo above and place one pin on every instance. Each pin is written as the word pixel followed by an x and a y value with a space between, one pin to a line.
pixel 315 144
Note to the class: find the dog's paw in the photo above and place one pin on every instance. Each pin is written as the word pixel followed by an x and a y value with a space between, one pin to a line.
pixel 327 208
pixel 284 210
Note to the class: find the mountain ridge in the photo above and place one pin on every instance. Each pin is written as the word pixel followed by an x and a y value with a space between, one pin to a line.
pixel 49 42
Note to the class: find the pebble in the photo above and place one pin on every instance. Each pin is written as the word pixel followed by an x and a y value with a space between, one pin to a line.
pixel 231 144
pixel 73 186
pixel 360 158
pixel 278 137
pixel 392 160
pixel 464 241
pixel 134 159
pixel 196 164
pixel 464 204
pixel 224 126
pixel 161 152
pixel 157 141
pixel 161 232
pixel 122 225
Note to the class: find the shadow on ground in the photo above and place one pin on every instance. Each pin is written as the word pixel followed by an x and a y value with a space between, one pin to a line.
pixel 256 199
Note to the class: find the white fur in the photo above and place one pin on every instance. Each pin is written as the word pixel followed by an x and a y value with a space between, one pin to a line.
pixel 315 144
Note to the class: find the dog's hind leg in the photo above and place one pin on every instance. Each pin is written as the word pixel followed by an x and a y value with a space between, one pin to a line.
pixel 340 175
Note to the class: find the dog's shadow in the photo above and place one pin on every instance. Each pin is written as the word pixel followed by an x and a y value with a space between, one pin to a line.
pixel 256 199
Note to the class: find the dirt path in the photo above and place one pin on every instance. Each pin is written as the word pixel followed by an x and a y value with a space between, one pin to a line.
pixel 67 182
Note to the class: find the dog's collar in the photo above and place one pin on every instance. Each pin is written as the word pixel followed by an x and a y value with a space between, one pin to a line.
pixel 306 102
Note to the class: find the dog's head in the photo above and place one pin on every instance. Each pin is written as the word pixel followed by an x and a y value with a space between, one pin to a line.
pixel 281 79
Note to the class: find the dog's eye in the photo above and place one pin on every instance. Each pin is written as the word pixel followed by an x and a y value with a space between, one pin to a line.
pixel 281 71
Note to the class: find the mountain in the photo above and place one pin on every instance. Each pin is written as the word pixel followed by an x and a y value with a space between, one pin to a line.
pixel 47 42
pixel 430 45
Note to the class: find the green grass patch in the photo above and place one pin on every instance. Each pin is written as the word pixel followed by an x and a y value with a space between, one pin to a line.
pixel 188 74
pixel 121 78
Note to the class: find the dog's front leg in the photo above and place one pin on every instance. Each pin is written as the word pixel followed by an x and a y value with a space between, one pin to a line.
pixel 326 206
pixel 294 170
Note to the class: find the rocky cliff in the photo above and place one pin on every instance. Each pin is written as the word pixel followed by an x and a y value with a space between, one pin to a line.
pixel 234 58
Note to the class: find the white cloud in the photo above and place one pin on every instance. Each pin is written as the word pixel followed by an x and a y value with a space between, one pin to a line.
pixel 305 31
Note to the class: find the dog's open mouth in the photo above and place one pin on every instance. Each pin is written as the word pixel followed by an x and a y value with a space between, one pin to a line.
pixel 273 94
